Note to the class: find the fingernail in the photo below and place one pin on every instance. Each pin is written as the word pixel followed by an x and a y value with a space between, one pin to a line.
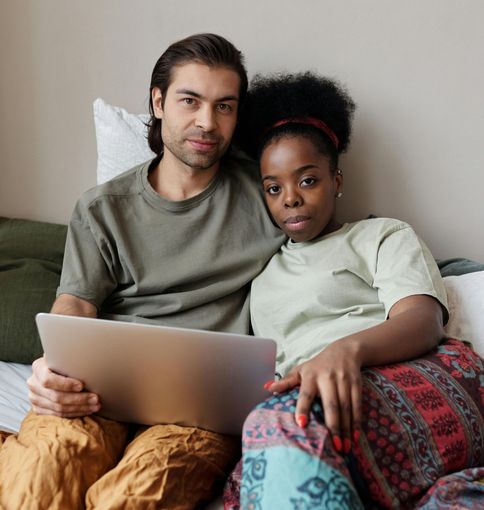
pixel 267 385
pixel 338 445
pixel 302 420
pixel 93 400
pixel 346 445
pixel 356 436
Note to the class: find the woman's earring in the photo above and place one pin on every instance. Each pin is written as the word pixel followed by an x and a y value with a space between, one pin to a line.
pixel 339 194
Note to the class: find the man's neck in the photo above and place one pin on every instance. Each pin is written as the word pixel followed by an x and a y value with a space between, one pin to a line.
pixel 176 181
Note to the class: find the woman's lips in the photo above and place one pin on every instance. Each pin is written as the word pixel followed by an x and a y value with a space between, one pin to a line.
pixel 296 222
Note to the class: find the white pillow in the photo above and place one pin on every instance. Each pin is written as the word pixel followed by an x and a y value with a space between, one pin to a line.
pixel 465 294
pixel 121 140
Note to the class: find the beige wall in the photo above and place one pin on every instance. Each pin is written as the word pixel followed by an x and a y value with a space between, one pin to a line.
pixel 415 68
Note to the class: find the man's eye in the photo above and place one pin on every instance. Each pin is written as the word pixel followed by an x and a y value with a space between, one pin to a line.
pixel 224 107
pixel 273 190
pixel 188 100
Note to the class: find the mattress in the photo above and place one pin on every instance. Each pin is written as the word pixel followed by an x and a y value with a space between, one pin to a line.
pixel 14 401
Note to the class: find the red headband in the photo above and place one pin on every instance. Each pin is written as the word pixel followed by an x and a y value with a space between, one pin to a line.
pixel 312 121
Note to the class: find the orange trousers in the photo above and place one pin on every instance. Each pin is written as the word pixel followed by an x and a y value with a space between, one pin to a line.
pixel 94 463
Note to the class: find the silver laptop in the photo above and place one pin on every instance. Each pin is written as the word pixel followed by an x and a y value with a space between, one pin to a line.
pixel 155 374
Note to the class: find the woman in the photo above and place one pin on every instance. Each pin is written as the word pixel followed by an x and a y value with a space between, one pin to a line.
pixel 339 298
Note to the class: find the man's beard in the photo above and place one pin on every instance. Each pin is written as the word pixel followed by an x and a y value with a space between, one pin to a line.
pixel 192 158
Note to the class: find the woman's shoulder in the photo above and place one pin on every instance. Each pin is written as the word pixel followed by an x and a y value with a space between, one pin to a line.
pixel 378 226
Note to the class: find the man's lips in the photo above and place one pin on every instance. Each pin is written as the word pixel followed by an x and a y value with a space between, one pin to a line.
pixel 296 222
pixel 202 145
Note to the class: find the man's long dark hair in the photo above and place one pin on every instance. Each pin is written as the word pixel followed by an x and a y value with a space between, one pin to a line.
pixel 208 49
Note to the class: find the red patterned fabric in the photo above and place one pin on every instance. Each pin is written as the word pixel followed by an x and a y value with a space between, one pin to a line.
pixel 421 447
pixel 424 420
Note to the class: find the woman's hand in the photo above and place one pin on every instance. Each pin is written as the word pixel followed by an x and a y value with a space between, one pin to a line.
pixel 334 375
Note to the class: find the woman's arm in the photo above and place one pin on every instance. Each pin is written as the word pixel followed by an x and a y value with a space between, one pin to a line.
pixel 414 326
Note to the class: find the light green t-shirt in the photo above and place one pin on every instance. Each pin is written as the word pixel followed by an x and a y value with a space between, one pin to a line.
pixel 140 257
pixel 313 293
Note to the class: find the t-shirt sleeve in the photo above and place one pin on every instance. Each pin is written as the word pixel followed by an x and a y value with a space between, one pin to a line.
pixel 405 267
pixel 87 268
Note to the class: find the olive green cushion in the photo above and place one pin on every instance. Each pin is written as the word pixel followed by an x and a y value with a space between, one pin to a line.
pixel 31 254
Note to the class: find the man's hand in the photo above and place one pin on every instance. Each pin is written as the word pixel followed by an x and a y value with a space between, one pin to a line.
pixel 54 394
pixel 334 375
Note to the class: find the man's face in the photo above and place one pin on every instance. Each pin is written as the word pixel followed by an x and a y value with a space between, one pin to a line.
pixel 199 113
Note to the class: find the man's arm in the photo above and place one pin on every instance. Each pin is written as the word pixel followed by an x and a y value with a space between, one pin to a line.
pixel 54 394
pixel 66 304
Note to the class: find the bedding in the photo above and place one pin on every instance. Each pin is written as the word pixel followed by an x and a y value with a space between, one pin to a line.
pixel 14 401
pixel 31 254
pixel 121 140
pixel 465 297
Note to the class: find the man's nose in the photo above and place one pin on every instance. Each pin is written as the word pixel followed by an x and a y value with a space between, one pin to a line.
pixel 206 118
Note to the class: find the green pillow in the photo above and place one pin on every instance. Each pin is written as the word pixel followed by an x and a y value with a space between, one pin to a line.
pixel 458 266
pixel 31 254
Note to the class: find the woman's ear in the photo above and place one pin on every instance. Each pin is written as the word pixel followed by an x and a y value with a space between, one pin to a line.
pixel 157 101
pixel 338 180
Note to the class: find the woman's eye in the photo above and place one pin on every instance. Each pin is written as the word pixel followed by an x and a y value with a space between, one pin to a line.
pixel 273 190
pixel 308 181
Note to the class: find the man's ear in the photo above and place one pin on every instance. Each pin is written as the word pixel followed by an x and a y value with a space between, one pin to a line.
pixel 156 99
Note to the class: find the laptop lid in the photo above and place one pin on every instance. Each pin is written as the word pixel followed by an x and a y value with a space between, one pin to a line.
pixel 151 374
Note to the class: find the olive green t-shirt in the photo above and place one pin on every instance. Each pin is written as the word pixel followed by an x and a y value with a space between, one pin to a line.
pixel 313 293
pixel 140 257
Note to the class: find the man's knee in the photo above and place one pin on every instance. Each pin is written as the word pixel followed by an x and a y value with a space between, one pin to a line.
pixel 174 441
pixel 88 432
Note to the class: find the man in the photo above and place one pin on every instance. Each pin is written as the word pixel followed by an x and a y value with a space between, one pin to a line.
pixel 175 241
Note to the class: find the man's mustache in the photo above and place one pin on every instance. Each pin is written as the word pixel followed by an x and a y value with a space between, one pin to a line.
pixel 202 136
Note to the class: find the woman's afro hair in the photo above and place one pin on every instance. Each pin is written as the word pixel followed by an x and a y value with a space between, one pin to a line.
pixel 281 96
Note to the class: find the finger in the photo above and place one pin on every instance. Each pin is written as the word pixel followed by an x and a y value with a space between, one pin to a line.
pixel 62 397
pixel 43 405
pixel 344 397
pixel 329 397
pixel 49 379
pixel 60 382
pixel 356 410
pixel 64 414
pixel 286 383
pixel 307 393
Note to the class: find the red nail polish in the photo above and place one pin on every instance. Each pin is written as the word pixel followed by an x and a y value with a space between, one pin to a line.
pixel 268 384
pixel 338 445
pixel 346 445
pixel 356 436
pixel 302 421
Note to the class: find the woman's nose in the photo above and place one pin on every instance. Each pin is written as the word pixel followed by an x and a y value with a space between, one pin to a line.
pixel 292 199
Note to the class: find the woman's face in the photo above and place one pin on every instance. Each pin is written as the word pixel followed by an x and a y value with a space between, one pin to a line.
pixel 299 188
